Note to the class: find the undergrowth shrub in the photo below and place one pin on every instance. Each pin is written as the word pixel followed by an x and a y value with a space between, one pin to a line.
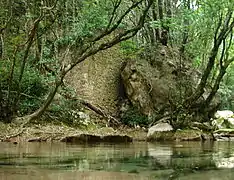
pixel 133 117
pixel 20 98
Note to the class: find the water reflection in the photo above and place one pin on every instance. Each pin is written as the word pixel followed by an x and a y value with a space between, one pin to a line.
pixel 55 161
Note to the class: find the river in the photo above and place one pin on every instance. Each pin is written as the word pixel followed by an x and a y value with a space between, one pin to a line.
pixel 136 161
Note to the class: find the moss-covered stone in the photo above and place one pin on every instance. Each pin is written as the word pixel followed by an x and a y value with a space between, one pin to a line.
pixel 181 135
pixel 188 135
pixel 162 136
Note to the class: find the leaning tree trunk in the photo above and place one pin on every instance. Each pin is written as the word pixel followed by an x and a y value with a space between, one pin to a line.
pixel 219 37
pixel 218 81
pixel 26 119
pixel 194 106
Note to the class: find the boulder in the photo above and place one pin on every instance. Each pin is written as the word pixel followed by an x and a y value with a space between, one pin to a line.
pixel 223 119
pixel 231 122
pixel 160 131
pixel 223 114
pixel 150 84
pixel 223 125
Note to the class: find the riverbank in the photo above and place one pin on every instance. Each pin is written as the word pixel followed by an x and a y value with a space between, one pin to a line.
pixel 50 132
pixel 53 132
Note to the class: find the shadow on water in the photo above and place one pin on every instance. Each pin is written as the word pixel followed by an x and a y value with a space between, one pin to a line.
pixel 56 161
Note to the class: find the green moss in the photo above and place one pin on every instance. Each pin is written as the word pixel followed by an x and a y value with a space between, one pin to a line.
pixel 187 134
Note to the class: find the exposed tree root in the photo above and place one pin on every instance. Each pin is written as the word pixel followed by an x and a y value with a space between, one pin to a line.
pixel 99 110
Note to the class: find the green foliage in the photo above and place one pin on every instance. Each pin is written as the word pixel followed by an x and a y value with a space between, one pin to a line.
pixel 63 111
pixel 40 36
pixel 32 87
pixel 33 83
pixel 67 111
pixel 129 47
pixel 74 24
pixel 133 117
pixel 203 22
pixel 226 90
pixel 92 17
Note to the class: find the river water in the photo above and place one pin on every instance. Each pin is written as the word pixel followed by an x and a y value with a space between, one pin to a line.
pixel 136 161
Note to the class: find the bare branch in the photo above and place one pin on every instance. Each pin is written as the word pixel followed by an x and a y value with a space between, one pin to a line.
pixel 121 37
pixel 226 28
pixel 218 27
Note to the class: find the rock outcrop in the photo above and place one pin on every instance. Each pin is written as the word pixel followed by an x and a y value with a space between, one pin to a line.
pixel 151 84
pixel 97 79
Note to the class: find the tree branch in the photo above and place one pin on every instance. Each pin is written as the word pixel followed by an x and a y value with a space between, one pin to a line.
pixel 116 6
pixel 116 25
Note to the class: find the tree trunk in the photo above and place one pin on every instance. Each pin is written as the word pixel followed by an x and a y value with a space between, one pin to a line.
pixel 217 82
pixel 155 18
pixel 1 46
pixel 160 9
pixel 185 29
pixel 200 89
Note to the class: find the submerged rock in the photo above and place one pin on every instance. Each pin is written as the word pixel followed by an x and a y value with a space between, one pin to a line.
pixel 116 138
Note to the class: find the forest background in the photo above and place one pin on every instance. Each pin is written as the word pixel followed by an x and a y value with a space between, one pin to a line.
pixel 42 41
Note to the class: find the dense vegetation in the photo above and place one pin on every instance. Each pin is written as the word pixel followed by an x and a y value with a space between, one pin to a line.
pixel 41 41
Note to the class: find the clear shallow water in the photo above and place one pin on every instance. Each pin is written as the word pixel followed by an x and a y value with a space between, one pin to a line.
pixel 136 161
